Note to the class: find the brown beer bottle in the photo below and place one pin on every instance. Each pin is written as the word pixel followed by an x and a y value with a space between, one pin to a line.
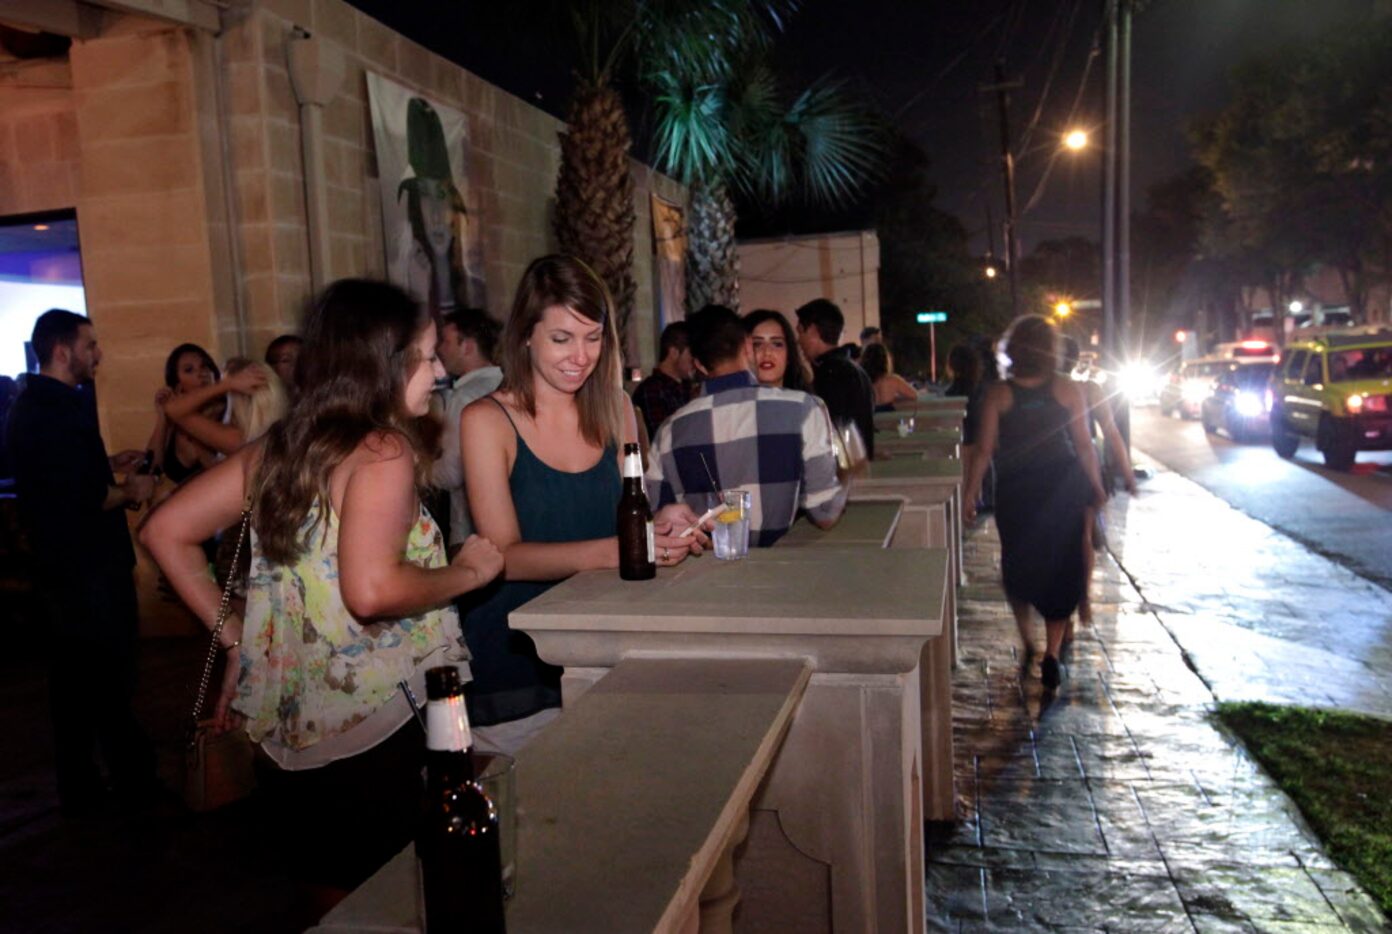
pixel 457 841
pixel 637 553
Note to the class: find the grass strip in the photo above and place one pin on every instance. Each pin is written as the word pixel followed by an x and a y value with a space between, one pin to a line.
pixel 1336 767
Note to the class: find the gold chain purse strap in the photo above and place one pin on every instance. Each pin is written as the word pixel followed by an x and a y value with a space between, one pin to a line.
pixel 221 619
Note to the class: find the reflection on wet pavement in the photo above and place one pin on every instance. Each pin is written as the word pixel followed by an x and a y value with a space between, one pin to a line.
pixel 1117 804
pixel 1261 617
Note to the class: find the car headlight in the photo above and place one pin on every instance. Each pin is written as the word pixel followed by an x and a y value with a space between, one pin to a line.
pixel 1137 380
pixel 1248 404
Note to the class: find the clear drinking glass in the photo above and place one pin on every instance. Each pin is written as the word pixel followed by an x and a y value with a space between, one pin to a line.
pixel 731 535
pixel 495 773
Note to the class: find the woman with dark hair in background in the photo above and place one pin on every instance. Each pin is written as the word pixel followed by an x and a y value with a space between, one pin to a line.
pixel 964 366
pixel 283 355
pixel 1034 425
pixel 349 592
pixel 778 359
pixel 253 396
pixel 889 386
pixel 187 369
pixel 542 460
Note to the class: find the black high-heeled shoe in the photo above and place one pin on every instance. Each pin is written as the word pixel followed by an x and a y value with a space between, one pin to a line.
pixel 1049 674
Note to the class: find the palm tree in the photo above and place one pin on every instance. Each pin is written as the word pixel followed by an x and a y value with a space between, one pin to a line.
pixel 594 190
pixel 740 133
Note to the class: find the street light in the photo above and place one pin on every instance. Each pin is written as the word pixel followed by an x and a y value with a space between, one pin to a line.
pixel 1076 140
pixel 991 272
pixel 1063 309
pixel 1297 307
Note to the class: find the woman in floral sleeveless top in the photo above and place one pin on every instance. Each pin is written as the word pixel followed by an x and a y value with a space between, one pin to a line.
pixel 348 599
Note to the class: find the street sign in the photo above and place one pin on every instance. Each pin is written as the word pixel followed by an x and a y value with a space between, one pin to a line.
pixel 932 317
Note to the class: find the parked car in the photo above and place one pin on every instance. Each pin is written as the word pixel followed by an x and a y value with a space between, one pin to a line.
pixel 1238 402
pixel 1189 386
pixel 1335 389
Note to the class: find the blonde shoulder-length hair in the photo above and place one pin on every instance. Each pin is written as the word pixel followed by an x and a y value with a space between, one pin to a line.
pixel 254 414
pixel 566 281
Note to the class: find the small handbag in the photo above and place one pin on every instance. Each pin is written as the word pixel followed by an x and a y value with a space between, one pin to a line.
pixel 218 767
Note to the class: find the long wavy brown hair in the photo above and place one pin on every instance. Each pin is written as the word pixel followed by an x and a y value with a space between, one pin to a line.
pixel 566 281
pixel 357 357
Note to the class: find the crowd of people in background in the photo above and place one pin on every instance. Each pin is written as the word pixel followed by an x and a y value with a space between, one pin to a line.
pixel 408 482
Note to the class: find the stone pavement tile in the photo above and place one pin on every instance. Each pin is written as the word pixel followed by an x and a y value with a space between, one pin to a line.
pixel 954 894
pixel 1055 899
pixel 1214 924
pixel 1354 907
pixel 1051 816
pixel 1053 763
pixel 1123 823
pixel 985 857
pixel 1274 894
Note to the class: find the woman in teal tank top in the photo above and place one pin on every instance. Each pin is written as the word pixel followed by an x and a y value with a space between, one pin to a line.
pixel 541 466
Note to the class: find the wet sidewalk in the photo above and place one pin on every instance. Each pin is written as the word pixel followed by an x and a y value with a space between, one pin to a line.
pixel 1116 804
pixel 1261 617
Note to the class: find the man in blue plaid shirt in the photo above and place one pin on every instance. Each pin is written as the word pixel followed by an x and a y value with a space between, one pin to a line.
pixel 775 443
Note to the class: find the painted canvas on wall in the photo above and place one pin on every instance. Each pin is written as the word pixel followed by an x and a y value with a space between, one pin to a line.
pixel 669 244
pixel 431 237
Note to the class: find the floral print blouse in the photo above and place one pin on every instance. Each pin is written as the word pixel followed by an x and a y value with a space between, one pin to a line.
pixel 310 670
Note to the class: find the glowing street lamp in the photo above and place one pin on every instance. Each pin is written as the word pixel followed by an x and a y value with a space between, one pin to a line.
pixel 991 272
pixel 1076 140
pixel 1063 309
pixel 1297 307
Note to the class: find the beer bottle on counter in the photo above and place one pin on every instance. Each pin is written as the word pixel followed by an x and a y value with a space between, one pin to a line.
pixel 457 841
pixel 637 553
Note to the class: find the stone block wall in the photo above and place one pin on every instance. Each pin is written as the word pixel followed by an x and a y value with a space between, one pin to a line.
pixel 182 154
pixel 38 139
pixel 512 159
pixel 143 222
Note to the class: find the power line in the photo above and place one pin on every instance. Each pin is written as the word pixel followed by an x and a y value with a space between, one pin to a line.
pixel 1072 113
pixel 1059 51
pixel 947 69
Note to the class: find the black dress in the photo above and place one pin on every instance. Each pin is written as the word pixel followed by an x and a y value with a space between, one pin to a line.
pixel 1042 495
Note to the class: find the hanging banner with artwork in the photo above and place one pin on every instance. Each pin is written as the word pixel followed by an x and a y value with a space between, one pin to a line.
pixel 669 245
pixel 431 237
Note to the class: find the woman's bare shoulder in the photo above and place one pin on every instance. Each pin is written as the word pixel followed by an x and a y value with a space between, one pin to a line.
pixel 380 447
pixel 1069 393
pixel 489 413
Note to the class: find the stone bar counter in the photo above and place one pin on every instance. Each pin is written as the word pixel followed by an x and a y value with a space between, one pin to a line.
pixel 835 841
pixel 935 483
pixel 894 523
pixel 872 522
pixel 630 806
pixel 922 442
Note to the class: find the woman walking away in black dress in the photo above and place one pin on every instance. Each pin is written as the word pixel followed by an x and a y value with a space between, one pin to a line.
pixel 1034 424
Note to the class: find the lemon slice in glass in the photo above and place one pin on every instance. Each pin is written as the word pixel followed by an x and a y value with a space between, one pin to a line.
pixel 729 516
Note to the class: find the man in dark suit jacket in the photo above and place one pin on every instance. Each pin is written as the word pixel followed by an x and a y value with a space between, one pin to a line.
pixel 73 512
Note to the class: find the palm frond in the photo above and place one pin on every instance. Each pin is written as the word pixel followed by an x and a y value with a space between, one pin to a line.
pixel 705 39
pixel 691 136
pixel 841 144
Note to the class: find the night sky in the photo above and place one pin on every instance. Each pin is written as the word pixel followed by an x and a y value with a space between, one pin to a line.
pixel 923 64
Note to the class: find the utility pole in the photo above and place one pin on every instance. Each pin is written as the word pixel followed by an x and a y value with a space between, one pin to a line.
pixel 1123 342
pixel 1109 186
pixel 1116 206
pixel 1012 246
